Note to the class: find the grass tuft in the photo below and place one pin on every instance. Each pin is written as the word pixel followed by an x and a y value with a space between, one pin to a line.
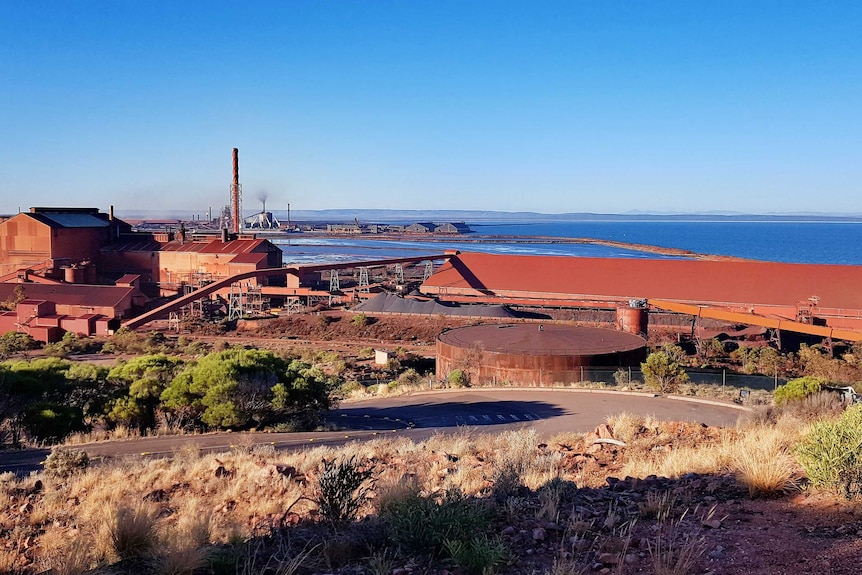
pixel 133 531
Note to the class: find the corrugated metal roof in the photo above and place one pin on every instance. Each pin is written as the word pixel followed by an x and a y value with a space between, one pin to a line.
pixel 70 220
pixel 211 247
pixel 69 294
pixel 743 282
pixel 252 258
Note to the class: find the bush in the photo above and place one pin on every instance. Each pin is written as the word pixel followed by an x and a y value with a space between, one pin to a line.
pixel 421 524
pixel 513 463
pixel 342 489
pixel 133 531
pixel 63 462
pixel 72 344
pixel 53 422
pixel 623 377
pixel 13 342
pixel 478 555
pixel 409 377
pixel 798 389
pixel 359 320
pixel 458 378
pixel 662 370
pixel 831 453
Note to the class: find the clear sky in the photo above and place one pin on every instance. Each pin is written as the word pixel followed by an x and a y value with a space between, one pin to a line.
pixel 549 106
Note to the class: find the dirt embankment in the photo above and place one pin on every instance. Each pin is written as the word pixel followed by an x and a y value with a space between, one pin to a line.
pixel 343 327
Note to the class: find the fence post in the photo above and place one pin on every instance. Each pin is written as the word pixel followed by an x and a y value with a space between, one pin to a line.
pixel 723 377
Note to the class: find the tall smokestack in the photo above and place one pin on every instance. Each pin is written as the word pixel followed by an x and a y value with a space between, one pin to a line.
pixel 235 192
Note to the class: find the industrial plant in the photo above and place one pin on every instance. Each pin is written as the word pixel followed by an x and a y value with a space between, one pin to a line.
pixel 84 271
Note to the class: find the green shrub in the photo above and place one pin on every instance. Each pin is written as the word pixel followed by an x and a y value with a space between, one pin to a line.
pixel 13 342
pixel 359 320
pixel 831 453
pixel 458 378
pixel 663 370
pixel 72 344
pixel 53 422
pixel 797 389
pixel 63 461
pixel 477 555
pixel 421 524
pixel 409 377
pixel 623 377
pixel 341 490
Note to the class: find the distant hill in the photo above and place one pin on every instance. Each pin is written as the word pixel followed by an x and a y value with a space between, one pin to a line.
pixel 477 216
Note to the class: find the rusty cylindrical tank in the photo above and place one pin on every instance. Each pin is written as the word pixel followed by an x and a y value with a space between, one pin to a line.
pixel 534 354
pixel 634 320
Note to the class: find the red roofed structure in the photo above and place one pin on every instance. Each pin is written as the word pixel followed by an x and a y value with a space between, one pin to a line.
pixel 171 264
pixel 830 292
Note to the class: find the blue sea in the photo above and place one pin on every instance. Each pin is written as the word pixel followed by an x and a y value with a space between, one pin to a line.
pixel 794 242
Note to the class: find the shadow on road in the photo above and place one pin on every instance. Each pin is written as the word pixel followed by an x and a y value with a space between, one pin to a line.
pixel 446 414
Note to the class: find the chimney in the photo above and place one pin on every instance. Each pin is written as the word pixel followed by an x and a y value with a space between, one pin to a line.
pixel 235 192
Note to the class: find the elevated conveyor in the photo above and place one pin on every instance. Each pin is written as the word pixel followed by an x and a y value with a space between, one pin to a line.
pixel 176 304
pixel 780 324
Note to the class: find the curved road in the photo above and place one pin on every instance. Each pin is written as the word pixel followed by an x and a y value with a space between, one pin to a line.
pixel 420 415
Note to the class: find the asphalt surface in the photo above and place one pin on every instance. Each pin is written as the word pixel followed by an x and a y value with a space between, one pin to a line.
pixel 418 416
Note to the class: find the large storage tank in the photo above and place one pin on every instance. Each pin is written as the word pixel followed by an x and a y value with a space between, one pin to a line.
pixel 534 354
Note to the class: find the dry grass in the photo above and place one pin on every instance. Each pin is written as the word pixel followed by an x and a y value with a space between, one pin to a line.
pixel 133 531
pixel 118 432
pixel 764 462
pixel 198 507
pixel 676 547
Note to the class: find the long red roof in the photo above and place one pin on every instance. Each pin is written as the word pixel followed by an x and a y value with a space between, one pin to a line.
pixel 702 281
pixel 240 246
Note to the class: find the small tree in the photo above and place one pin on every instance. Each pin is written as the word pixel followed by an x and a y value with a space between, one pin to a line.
pixel 458 378
pixel 13 342
pixel 663 372
pixel 797 389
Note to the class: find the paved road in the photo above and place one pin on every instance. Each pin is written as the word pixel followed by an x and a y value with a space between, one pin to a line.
pixel 548 411
pixel 419 416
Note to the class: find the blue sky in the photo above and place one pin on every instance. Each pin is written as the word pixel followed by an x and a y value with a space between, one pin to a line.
pixel 566 106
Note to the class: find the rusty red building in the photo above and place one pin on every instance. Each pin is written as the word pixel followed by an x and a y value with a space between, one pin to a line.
pixel 84 270
pixel 738 290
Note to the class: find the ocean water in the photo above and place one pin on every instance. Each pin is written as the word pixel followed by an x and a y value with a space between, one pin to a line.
pixel 794 242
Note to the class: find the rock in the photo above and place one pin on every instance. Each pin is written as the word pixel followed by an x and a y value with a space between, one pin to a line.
pixel 286 470
pixel 538 534
pixel 604 431
pixel 711 523
pixel 630 559
pixel 508 531
pixel 717 553
pixel 221 471
pixel 156 496
pixel 608 558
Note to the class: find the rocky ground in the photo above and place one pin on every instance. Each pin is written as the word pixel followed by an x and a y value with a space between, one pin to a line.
pixel 590 520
